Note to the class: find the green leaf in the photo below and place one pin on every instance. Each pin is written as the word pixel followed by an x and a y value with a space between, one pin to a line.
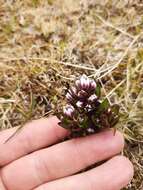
pixel 94 120
pixel 98 90
pixel 84 124
pixel 115 109
pixel 95 123
pixel 104 105
pixel 65 123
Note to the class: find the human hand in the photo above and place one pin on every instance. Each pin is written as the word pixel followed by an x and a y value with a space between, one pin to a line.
pixel 35 159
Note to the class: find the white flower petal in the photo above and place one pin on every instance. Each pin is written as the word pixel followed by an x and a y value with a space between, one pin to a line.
pixel 68 110
pixel 68 96
pixel 73 91
pixel 77 83
pixel 92 97
pixel 85 81
pixel 79 104
pixel 90 130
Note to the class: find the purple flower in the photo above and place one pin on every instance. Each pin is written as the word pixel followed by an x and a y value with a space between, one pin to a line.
pixel 77 83
pixel 69 111
pixel 69 97
pixel 82 94
pixel 86 112
pixel 93 84
pixel 73 92
pixel 84 87
pixel 85 83
pixel 92 98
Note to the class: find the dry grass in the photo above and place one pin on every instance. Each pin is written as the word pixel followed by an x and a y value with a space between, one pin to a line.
pixel 46 44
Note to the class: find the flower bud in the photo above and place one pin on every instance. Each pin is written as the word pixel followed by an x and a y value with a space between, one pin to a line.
pixel 82 94
pixel 69 111
pixel 69 97
pixel 73 92
pixel 92 98
pixel 83 82
pixel 93 84
pixel 78 84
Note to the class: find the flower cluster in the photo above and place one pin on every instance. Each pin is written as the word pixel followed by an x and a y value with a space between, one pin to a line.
pixel 86 112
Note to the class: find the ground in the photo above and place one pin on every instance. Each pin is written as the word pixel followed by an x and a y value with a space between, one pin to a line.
pixel 45 45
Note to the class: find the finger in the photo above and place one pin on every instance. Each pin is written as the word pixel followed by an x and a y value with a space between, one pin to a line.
pixel 6 134
pixel 109 176
pixel 35 135
pixel 61 160
pixel 2 185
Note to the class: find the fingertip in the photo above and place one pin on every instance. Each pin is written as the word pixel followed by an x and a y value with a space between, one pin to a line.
pixel 120 140
pixel 126 166
pixel 117 142
pixel 34 135
pixel 114 141
pixel 54 119
pixel 59 131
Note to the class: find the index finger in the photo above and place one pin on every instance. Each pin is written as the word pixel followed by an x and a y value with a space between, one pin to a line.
pixel 34 135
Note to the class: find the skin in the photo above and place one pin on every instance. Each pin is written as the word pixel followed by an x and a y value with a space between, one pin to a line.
pixel 36 159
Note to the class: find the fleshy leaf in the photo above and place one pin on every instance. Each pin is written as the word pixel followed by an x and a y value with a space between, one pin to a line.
pixel 98 90
pixel 64 123
pixel 104 121
pixel 115 109
pixel 104 105
pixel 84 123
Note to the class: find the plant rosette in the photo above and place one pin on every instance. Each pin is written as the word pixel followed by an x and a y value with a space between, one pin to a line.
pixel 86 111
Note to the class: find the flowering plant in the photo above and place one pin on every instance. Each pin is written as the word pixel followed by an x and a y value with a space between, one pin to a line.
pixel 86 112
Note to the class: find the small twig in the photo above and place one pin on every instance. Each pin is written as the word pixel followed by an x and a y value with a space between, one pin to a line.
pixel 67 78
pixel 5 101
pixel 107 23
pixel 104 90
pixel 114 89
pixel 121 59
pixel 49 60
